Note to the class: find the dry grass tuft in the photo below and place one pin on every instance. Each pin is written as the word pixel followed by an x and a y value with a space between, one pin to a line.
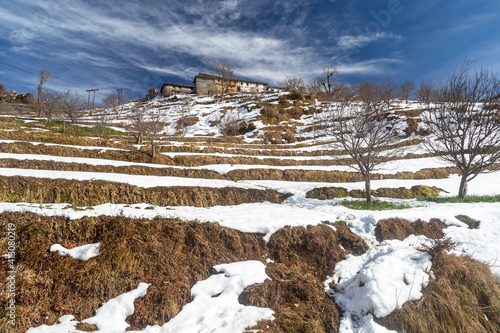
pixel 417 191
pixel 171 255
pixel 302 259
pixel 120 155
pixel 96 192
pixel 464 297
pixel 471 223
pixel 129 169
pixel 396 228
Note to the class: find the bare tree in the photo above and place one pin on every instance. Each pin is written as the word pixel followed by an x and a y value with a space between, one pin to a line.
pixel 364 131
pixel 345 93
pixel 389 90
pixel 184 111
pixel 295 85
pixel 425 92
pixel 466 125
pixel 314 87
pixel 232 124
pixel 113 101
pixel 224 71
pixel 50 105
pixel 138 123
pixel 41 100
pixel 406 89
pixel 329 71
pixel 153 126
pixel 110 101
pixel 71 104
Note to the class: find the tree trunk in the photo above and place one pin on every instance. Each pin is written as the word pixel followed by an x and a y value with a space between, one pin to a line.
pixel 368 191
pixel 153 150
pixel 462 191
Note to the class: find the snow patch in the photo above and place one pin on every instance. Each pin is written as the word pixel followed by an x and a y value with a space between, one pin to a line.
pixel 84 252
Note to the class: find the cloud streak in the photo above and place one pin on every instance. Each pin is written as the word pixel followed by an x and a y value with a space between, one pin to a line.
pixel 143 43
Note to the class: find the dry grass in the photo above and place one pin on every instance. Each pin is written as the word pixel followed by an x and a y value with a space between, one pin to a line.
pixel 417 191
pixel 129 170
pixel 396 228
pixel 171 255
pixel 303 257
pixel 120 155
pixel 46 137
pixel 235 175
pixel 96 192
pixel 464 297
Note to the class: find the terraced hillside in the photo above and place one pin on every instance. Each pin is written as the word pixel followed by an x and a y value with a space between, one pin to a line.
pixel 247 218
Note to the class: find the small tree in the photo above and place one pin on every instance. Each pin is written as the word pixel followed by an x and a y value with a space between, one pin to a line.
pixel 113 101
pixel 389 90
pixel 224 71
pixel 51 106
pixel 466 125
pixel 152 126
pixel 425 93
pixel 184 111
pixel 71 104
pixel 406 89
pixel 329 71
pixel 295 85
pixel 44 76
pixel 232 124
pixel 138 122
pixel 364 130
pixel 315 86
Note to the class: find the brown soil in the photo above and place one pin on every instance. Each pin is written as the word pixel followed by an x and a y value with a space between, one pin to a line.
pixel 171 255
pixel 464 297
pixel 471 223
pixel 351 242
pixel 397 228
pixel 96 192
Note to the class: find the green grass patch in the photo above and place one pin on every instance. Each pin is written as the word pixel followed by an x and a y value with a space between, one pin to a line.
pixel 375 205
pixel 469 199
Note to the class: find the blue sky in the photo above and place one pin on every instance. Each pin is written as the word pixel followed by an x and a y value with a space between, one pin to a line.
pixel 137 45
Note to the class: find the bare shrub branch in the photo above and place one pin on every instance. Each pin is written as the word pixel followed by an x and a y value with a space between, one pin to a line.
pixel 467 123
pixel 364 129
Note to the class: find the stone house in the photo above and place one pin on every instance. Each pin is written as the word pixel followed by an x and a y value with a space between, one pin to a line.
pixel 152 93
pixel 169 89
pixel 206 84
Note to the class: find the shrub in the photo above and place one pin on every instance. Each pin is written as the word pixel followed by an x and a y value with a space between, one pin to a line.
pixel 375 205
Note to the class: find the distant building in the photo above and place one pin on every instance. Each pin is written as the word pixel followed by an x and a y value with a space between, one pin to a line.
pixel 206 84
pixel 153 92
pixel 169 89
pixel 275 89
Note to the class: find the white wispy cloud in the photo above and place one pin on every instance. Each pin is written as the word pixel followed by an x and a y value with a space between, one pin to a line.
pixel 172 38
pixel 348 42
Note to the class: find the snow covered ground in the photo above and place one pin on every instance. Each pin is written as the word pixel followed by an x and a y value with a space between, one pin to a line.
pixel 389 273
pixel 266 218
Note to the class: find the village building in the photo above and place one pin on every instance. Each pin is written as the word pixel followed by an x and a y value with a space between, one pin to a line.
pixel 169 89
pixel 153 92
pixel 275 89
pixel 206 84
